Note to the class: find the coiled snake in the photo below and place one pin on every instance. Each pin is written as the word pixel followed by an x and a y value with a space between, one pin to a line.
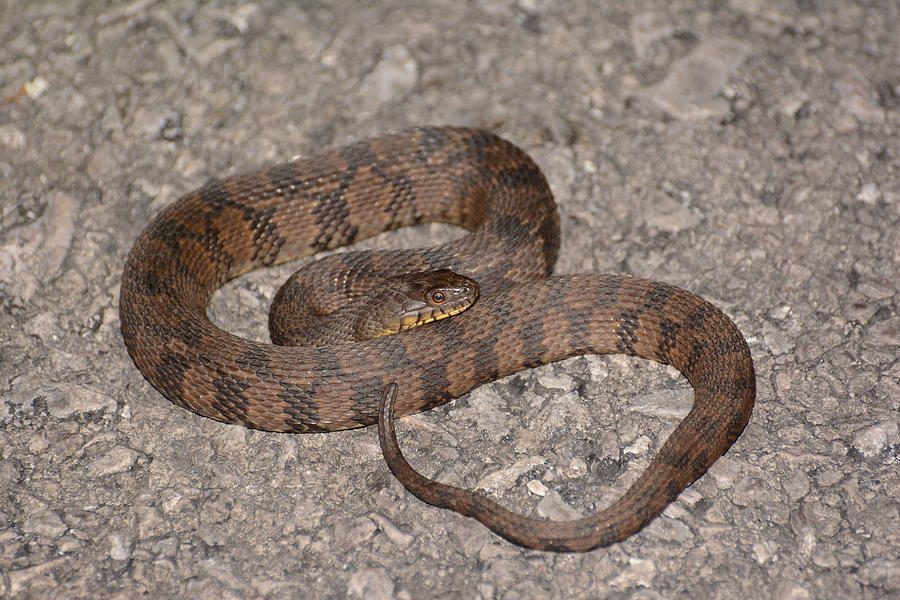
pixel 524 317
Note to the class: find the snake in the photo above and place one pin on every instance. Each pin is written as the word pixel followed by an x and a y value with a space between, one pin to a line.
pixel 524 315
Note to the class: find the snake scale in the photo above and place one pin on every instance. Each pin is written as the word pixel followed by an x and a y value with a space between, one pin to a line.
pixel 524 317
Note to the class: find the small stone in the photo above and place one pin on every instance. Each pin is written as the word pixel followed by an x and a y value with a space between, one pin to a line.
pixel 788 590
pixel 825 559
pixel 751 491
pixel 639 573
pixel 214 50
pixel 886 332
pixel 870 194
pixel 11 473
pixel 58 230
pixel 796 485
pixel 559 381
pixel 12 137
pixel 371 584
pixel 876 291
pixel 691 89
pixel 350 533
pixel 858 97
pixel 506 478
pixel 671 530
pixel 67 400
pixel 36 87
pixel 33 578
pixel 124 11
pixel 390 531
pixel 47 524
pixel 778 341
pixel 872 440
pixel 881 573
pixel 231 440
pixel 780 313
pixel 725 471
pixel 793 103
pixel 639 447
pixel 393 77
pixel 553 507
pixel 118 550
pixel 577 468
pixel 306 517
pixel 829 477
pixel 153 123
pixel 688 497
pixel 670 216
pixel 647 28
pixel 762 552
pixel 664 403
pixel 116 460
pixel 537 487
pixel 44 327
pixel 486 590
pixel 213 534
pixel 150 522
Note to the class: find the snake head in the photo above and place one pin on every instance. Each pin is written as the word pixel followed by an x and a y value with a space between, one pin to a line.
pixel 412 300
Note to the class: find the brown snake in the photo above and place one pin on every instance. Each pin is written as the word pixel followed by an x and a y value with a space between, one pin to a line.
pixel 524 317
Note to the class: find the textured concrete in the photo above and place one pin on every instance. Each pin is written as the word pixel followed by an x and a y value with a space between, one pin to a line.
pixel 747 151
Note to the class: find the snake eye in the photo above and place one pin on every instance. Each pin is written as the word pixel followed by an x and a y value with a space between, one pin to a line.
pixel 438 297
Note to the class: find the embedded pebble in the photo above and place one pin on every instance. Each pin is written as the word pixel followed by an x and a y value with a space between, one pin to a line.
pixel 46 524
pixel 858 96
pixel 869 193
pixel 789 590
pixel 691 89
pixel 552 506
pixel 12 137
pixel 639 572
pixel 43 326
pixel 664 403
pixel 349 533
pixel 506 478
pixel 537 487
pixel 118 548
pixel 577 467
pixel 872 440
pixel 371 584
pixel 881 573
pixel 58 231
pixel 670 215
pixel 150 522
pixel 797 485
pixel 391 531
pixel 116 460
pixel 559 381
pixel 395 75
pixel 647 28
pixel 67 400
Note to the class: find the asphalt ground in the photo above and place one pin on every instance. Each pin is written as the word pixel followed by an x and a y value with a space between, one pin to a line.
pixel 746 151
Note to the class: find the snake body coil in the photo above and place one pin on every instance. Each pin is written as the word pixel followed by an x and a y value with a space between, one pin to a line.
pixel 524 318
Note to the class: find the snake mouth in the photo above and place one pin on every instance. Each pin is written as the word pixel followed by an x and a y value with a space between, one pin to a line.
pixel 414 321
pixel 423 317
pixel 434 314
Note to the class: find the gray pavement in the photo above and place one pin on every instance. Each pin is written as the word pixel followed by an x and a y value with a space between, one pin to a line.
pixel 747 151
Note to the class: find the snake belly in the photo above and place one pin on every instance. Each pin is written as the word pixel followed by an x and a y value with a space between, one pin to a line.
pixel 524 317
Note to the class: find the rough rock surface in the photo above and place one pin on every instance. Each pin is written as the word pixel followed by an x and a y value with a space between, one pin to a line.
pixel 747 151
